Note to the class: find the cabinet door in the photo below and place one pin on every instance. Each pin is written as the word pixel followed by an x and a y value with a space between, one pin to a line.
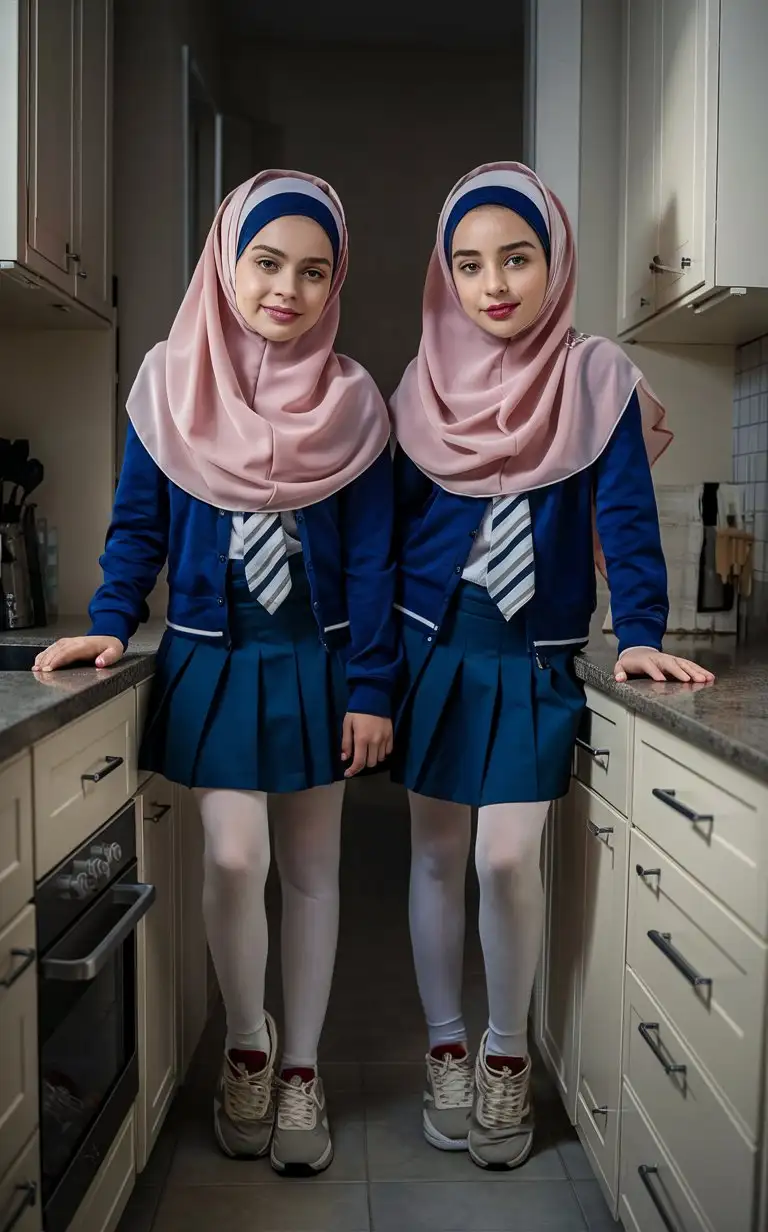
pixel 638 223
pixel 20 1201
pixel 157 971
pixel 17 880
pixel 19 1110
pixel 684 141
pixel 93 178
pixel 561 965
pixel 193 959
pixel 51 137
pixel 602 988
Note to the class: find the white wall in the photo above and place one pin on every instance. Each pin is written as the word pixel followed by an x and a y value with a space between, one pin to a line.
pixel 392 129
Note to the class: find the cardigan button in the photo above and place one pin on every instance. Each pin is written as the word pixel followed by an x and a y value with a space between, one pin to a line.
pixel 220 601
pixel 222 558
pixel 458 569
pixel 222 513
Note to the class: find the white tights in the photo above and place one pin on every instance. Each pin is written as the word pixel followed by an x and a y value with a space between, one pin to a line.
pixel 507 854
pixel 307 828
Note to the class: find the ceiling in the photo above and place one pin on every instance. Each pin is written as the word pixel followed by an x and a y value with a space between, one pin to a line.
pixel 431 22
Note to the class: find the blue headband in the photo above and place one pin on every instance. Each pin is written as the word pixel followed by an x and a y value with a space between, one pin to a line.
pixel 283 205
pixel 496 194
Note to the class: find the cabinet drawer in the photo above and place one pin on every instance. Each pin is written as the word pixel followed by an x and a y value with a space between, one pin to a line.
pixel 605 885
pixel 82 774
pixel 721 1021
pixel 18 1032
pixel 704 1143
pixel 103 1205
pixel 645 1202
pixel 20 1202
pixel 708 816
pixel 17 881
pixel 143 694
pixel 602 759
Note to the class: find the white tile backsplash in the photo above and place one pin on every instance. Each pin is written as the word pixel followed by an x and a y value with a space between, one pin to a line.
pixel 750 442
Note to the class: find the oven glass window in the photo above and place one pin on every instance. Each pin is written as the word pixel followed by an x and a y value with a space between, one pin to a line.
pixel 87 1038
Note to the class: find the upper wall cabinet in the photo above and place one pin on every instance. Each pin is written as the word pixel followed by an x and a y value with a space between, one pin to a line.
pixel 693 263
pixel 55 155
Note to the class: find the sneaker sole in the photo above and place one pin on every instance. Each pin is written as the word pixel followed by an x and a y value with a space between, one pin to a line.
pixel 245 1156
pixel 303 1169
pixel 501 1167
pixel 439 1141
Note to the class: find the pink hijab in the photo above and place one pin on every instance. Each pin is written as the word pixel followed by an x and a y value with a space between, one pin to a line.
pixel 243 423
pixel 482 416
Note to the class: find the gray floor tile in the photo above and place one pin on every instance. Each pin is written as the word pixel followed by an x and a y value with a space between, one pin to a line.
pixel 576 1163
pixel 139 1214
pixel 593 1205
pixel 539 1206
pixel 198 1161
pixel 398 1151
pixel 292 1206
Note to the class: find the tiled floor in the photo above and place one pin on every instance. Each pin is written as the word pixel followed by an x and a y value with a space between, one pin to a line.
pixel 384 1176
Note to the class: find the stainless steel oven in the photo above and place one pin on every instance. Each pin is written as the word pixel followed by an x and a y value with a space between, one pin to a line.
pixel 87 912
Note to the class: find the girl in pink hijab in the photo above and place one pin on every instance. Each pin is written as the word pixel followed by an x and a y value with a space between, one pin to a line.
pixel 516 436
pixel 257 466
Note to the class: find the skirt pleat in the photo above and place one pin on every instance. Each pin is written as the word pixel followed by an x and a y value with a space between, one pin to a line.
pixel 481 722
pixel 263 713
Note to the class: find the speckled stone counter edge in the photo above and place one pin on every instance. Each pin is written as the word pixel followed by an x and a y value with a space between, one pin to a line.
pixel 65 708
pixel 740 755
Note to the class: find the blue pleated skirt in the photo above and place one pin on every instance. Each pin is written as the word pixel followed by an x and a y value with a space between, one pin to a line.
pixel 262 714
pixel 482 721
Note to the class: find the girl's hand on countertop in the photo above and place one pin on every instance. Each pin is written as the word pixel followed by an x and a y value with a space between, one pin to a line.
pixel 367 739
pixel 660 666
pixel 101 651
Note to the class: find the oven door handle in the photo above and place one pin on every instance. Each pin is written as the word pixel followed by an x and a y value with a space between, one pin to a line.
pixel 141 898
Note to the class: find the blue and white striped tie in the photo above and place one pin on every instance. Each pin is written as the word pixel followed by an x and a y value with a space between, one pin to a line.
pixel 510 578
pixel 266 560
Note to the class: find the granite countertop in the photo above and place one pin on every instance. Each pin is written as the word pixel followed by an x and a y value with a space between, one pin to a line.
pixel 33 706
pixel 728 718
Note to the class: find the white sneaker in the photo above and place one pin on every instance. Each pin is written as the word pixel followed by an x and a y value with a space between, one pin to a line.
pixel 448 1101
pixel 244 1105
pixel 501 1132
pixel 302 1144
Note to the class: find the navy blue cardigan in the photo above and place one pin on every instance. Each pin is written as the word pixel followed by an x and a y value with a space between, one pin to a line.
pixel 347 553
pixel 435 530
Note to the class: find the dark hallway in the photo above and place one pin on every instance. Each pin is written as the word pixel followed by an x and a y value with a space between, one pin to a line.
pixel 384 1175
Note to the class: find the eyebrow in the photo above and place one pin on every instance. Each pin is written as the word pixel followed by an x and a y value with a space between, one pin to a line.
pixel 275 252
pixel 515 247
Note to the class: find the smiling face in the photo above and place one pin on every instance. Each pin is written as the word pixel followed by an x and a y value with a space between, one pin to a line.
pixel 283 279
pixel 499 269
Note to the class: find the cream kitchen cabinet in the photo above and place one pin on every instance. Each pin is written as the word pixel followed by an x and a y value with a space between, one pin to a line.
pixel 692 264
pixel 55 125
pixel 560 976
pixel 157 965
pixel 652 1009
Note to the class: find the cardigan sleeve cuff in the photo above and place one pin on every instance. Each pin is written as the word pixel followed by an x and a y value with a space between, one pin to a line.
pixel 112 624
pixel 636 635
pixel 370 698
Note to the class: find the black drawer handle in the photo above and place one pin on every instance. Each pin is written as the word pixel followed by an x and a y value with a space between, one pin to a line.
pixel 162 809
pixel 28 1197
pixel 29 957
pixel 597 754
pixel 670 798
pixel 109 768
pixel 598 831
pixel 647 872
pixel 664 942
pixel 669 1067
pixel 645 1172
